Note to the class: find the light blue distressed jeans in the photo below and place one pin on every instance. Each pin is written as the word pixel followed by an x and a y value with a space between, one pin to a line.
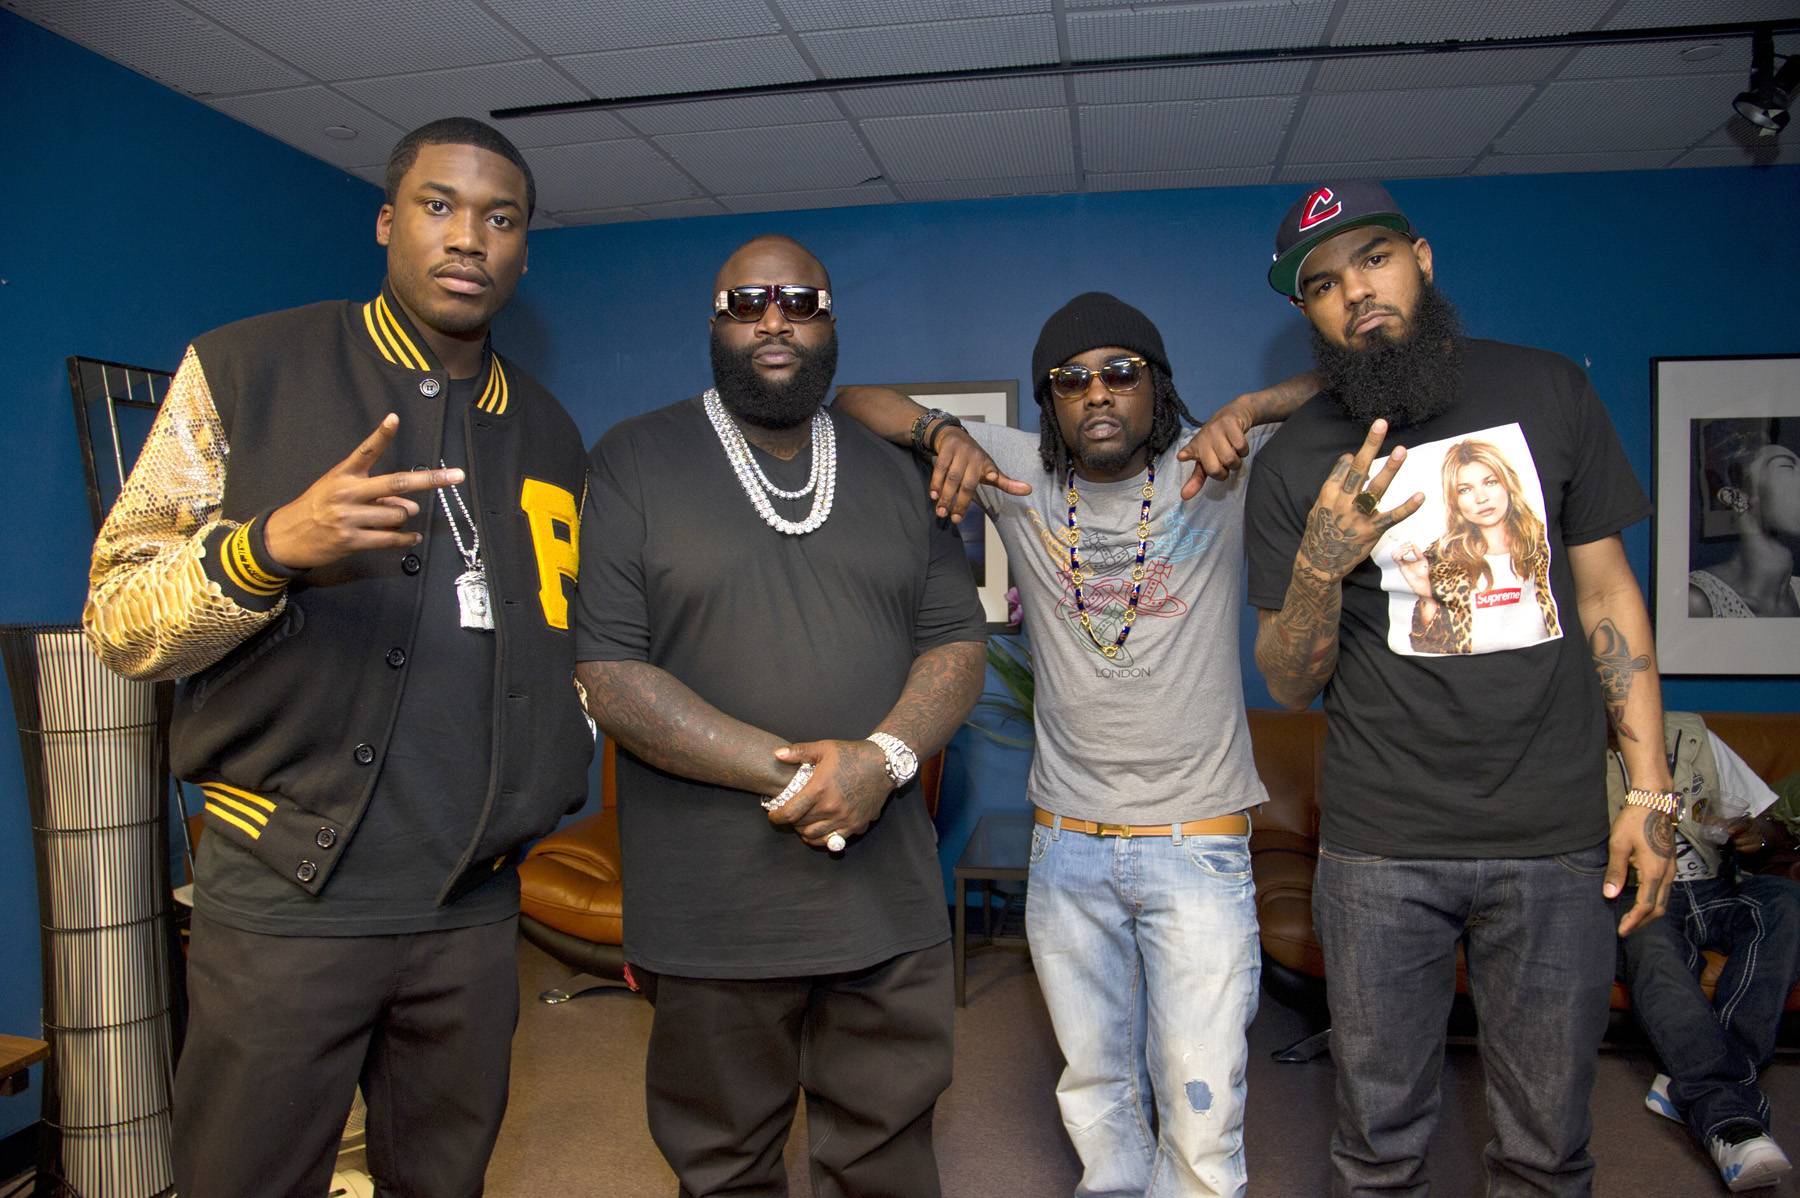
pixel 1146 950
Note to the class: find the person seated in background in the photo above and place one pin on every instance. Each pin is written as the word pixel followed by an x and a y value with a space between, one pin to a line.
pixel 1713 1051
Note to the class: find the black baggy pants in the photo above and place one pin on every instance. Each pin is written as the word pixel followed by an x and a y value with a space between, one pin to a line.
pixel 870 1050
pixel 283 1028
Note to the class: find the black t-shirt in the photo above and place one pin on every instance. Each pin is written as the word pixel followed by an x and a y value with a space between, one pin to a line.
pixel 434 776
pixel 1465 716
pixel 808 637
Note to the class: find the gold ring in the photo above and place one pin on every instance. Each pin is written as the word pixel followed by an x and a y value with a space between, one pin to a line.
pixel 1365 502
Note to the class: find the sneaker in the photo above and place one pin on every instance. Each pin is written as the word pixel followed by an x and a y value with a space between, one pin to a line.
pixel 1753 1164
pixel 1658 1099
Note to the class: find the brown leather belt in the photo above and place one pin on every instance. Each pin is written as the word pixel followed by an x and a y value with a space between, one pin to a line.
pixel 1219 825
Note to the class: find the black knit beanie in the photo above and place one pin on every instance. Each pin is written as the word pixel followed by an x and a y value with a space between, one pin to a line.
pixel 1089 321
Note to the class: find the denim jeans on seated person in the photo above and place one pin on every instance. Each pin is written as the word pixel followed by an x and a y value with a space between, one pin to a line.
pixel 1147 953
pixel 1540 940
pixel 1714 1050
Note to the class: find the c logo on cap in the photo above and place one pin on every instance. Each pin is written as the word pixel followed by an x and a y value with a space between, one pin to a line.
pixel 1321 206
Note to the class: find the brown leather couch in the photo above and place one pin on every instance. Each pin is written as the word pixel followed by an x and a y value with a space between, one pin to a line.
pixel 1284 846
pixel 571 897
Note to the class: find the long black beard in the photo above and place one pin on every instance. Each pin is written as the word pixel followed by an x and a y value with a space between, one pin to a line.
pixel 1407 381
pixel 752 398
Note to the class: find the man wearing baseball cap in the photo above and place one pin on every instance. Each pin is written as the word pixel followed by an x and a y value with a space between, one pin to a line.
pixel 1142 917
pixel 1470 642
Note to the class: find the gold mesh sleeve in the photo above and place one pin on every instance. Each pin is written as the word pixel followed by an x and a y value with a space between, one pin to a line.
pixel 154 611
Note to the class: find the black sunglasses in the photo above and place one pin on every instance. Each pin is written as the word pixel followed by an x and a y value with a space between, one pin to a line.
pixel 1117 374
pixel 795 302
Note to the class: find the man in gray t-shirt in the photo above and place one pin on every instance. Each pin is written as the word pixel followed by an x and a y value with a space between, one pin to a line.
pixel 1142 917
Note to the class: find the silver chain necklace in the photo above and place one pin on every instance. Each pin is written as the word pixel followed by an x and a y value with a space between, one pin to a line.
pixel 756 484
pixel 473 603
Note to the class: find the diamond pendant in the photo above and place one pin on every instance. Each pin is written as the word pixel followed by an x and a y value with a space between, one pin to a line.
pixel 472 601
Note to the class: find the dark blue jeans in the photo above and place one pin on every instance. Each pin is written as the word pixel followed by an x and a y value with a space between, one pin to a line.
pixel 1714 1051
pixel 1539 937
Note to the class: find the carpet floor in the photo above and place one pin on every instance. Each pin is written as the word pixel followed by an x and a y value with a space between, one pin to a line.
pixel 575 1127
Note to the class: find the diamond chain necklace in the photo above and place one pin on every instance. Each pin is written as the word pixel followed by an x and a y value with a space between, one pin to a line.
pixel 756 484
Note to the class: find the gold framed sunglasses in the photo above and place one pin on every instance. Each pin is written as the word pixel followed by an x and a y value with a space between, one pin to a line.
pixel 1116 374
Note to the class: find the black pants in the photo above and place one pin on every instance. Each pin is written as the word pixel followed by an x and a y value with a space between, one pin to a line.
pixel 282 1028
pixel 870 1049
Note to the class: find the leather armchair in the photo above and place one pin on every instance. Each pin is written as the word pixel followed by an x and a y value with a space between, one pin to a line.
pixel 1284 849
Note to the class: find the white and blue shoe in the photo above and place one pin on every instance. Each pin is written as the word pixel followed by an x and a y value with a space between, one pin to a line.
pixel 1658 1099
pixel 1753 1164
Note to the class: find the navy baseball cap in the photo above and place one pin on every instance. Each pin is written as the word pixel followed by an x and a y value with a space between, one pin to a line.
pixel 1325 212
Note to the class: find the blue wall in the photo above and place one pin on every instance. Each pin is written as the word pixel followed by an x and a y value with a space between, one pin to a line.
pixel 147 218
pixel 139 219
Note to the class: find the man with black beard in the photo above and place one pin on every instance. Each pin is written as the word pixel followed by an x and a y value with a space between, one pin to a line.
pixel 1463 796
pixel 777 632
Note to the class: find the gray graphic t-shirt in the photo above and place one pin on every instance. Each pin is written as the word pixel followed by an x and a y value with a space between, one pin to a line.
pixel 1156 735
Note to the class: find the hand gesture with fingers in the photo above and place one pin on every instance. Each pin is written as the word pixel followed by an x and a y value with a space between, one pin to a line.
pixel 848 789
pixel 1218 448
pixel 1346 520
pixel 349 509
pixel 961 466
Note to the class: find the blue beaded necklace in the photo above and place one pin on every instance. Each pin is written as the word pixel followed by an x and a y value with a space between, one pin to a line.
pixel 1073 536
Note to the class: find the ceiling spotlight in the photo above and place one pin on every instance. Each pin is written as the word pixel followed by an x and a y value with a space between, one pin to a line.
pixel 339 132
pixel 1765 105
pixel 1702 52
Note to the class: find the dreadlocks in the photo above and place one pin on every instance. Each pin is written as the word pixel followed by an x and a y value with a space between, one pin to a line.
pixel 1166 420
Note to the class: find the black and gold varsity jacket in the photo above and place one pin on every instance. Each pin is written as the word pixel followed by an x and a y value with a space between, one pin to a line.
pixel 290 682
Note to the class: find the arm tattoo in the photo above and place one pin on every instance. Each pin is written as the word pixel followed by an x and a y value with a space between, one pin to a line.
pixel 652 714
pixel 1618 669
pixel 1297 647
pixel 941 689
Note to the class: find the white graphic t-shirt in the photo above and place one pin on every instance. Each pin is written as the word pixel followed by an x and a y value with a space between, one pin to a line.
pixel 1469 571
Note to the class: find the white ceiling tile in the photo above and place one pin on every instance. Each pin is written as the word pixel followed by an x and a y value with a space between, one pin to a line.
pixel 1234 176
pixel 1390 168
pixel 1186 135
pixel 1657 58
pixel 574 26
pixel 543 220
pixel 300 116
pixel 854 14
pixel 564 128
pixel 1463 68
pixel 1550 164
pixel 1648 14
pixel 827 197
pixel 1359 126
pixel 1198 28
pixel 1211 82
pixel 600 216
pixel 972 145
pixel 351 39
pixel 792 158
pixel 943 46
pixel 375 173
pixel 983 189
pixel 1770 153
pixel 1377 22
pixel 606 174
pixel 702 66
pixel 974 95
pixel 747 112
pixel 164 41
pixel 1621 114
pixel 412 100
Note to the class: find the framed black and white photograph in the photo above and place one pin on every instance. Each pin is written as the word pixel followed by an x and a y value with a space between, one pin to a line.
pixel 1726 463
pixel 996 402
